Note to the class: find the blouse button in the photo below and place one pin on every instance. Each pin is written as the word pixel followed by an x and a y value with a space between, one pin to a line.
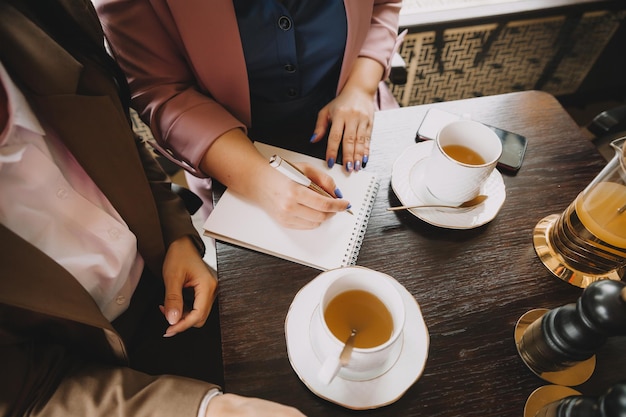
pixel 284 23
pixel 290 68
pixel 291 92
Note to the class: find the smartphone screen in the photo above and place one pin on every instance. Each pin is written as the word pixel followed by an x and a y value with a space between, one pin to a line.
pixel 513 149
pixel 513 144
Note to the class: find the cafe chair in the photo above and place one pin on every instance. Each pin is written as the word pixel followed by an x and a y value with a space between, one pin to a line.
pixel 190 199
pixel 609 124
pixel 398 74
pixel 605 127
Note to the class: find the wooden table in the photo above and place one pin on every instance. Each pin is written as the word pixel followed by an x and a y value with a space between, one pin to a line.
pixel 471 285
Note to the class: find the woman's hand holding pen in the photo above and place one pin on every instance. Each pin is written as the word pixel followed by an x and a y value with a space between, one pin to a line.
pixel 235 162
pixel 298 207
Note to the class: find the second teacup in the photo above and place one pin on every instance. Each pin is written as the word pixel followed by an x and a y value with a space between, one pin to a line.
pixel 368 302
pixel 464 154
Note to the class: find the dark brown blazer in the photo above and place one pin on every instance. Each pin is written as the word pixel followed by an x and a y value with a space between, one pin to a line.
pixel 58 354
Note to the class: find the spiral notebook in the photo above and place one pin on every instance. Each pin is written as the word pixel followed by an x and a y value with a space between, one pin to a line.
pixel 334 244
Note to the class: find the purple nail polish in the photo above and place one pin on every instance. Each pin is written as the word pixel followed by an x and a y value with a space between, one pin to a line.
pixel 331 162
pixel 349 166
pixel 313 137
pixel 338 193
pixel 357 165
pixel 365 159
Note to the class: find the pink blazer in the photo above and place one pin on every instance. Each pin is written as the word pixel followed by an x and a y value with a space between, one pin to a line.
pixel 186 69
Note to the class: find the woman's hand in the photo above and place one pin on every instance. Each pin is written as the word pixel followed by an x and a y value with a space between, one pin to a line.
pixel 296 206
pixel 231 405
pixel 235 162
pixel 351 116
pixel 183 268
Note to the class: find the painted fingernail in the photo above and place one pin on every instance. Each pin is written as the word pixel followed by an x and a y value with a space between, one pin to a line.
pixel 349 206
pixel 357 165
pixel 365 159
pixel 338 193
pixel 349 166
pixel 331 162
pixel 172 317
pixel 313 137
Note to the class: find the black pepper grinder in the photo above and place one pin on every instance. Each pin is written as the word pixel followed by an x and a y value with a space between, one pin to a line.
pixel 559 345
pixel 611 404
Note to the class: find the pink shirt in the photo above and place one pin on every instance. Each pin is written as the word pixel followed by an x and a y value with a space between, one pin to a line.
pixel 49 200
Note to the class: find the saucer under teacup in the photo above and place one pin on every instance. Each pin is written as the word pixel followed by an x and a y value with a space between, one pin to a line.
pixel 359 395
pixel 408 185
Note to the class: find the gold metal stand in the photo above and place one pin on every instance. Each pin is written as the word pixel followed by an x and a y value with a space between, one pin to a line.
pixel 555 262
pixel 571 376
pixel 543 396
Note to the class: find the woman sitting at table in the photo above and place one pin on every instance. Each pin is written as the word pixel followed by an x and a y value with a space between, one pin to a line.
pixel 304 75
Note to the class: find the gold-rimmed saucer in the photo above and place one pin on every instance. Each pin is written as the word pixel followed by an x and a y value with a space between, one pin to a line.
pixel 357 395
pixel 407 184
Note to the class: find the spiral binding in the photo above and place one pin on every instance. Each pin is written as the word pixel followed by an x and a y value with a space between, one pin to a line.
pixel 363 216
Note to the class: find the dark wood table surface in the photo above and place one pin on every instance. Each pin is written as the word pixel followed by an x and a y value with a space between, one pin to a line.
pixel 472 285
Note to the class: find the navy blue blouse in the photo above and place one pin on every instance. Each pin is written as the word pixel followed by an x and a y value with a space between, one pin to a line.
pixel 291 46
pixel 293 51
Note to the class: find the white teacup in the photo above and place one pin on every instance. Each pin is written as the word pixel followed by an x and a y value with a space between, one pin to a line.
pixel 464 154
pixel 382 348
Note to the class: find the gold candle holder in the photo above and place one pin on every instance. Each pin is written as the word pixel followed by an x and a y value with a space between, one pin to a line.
pixel 559 345
pixel 544 396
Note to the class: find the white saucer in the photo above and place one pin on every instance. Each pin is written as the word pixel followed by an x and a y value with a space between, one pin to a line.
pixel 357 395
pixel 406 182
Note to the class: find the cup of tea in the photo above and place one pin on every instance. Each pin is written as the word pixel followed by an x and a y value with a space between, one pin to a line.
pixel 464 154
pixel 367 302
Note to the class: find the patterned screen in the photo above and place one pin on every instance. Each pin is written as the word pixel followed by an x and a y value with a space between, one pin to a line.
pixel 552 54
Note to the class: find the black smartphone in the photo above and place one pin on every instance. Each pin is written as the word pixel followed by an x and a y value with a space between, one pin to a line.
pixel 513 144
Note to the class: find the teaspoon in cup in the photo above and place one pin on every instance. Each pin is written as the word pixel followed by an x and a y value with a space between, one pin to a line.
pixel 344 356
pixel 332 364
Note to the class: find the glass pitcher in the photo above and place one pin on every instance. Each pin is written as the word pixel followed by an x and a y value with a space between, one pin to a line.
pixel 587 242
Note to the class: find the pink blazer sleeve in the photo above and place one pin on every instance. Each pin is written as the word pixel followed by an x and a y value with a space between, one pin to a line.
pixel 382 40
pixel 163 52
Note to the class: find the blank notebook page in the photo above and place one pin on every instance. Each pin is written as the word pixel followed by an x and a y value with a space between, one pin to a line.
pixel 334 244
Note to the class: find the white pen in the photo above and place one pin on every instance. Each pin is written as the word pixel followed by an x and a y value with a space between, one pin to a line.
pixel 293 172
